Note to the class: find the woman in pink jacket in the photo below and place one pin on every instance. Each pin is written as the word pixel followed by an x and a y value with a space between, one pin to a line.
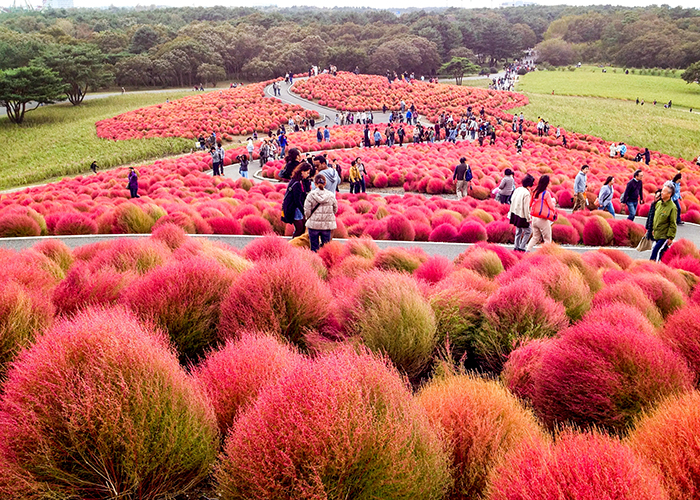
pixel 543 211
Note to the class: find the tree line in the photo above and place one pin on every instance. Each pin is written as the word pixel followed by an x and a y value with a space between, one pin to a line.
pixel 83 49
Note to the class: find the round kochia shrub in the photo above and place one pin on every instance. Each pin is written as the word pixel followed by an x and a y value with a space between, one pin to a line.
pixel 343 426
pixel 233 376
pixel 283 297
pixel 390 316
pixel 184 298
pixel 99 407
pixel 75 223
pixel 589 466
pixel 515 312
pixel 682 333
pixel 522 364
pixel 598 374
pixel 481 422
pixel 597 232
pixel 668 438
pixel 83 287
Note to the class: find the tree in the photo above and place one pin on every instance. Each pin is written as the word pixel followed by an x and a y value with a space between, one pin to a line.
pixel 457 67
pixel 692 73
pixel 556 52
pixel 21 86
pixel 143 39
pixel 210 73
pixel 81 67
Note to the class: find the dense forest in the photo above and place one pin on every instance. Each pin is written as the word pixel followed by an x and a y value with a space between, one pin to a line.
pixel 186 46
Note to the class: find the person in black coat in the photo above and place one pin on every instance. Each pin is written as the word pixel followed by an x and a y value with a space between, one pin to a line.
pixel 634 194
pixel 292 161
pixel 650 216
pixel 294 198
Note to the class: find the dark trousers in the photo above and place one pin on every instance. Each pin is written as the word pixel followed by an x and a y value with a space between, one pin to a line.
pixel 216 168
pixel 658 250
pixel 315 235
pixel 678 211
pixel 134 192
pixel 299 228
pixel 362 184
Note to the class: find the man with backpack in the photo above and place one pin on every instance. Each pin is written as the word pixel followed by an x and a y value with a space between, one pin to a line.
pixel 463 175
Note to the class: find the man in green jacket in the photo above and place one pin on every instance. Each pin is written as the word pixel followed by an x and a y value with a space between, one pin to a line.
pixel 664 224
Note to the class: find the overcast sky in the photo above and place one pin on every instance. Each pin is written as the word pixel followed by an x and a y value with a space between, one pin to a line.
pixel 387 4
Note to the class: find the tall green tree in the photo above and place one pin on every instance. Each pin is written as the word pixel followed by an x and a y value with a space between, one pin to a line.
pixel 81 67
pixel 457 67
pixel 692 74
pixel 28 85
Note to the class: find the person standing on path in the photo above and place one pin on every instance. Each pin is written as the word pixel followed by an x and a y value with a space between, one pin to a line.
pixel 544 212
pixel 354 177
pixel 519 144
pixel 320 208
pixel 506 187
pixel 330 174
pixel 605 195
pixel 363 174
pixel 633 194
pixel 580 182
pixel 250 147
pixel 519 213
pixel 664 224
pixel 676 198
pixel 326 134
pixel 133 183
pixel 463 177
pixel 401 133
pixel 295 197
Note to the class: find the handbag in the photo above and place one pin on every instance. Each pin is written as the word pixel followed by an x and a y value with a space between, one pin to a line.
pixel 644 244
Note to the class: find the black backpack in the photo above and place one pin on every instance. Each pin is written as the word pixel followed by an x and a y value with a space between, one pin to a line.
pixel 287 202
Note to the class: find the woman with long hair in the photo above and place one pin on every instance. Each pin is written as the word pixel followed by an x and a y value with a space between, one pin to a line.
pixel 543 211
pixel 605 195
pixel 292 161
pixel 295 197
pixel 677 197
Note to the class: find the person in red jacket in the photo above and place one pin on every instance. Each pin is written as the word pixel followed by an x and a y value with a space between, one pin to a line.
pixel 543 211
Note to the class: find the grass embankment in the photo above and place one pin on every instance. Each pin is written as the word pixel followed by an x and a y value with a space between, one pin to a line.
pixel 61 140
pixel 603 104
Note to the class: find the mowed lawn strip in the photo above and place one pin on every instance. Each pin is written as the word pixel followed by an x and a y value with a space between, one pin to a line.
pixel 61 140
pixel 589 81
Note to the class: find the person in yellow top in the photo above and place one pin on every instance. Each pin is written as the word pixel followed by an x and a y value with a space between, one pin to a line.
pixel 354 177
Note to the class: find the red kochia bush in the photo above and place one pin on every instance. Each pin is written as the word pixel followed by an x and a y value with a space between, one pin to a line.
pixel 268 247
pixel 233 376
pixel 434 269
pixel 100 408
pixel 471 232
pixel 682 333
pixel 589 466
pixel 83 287
pixel 668 438
pixel 344 426
pixel 399 228
pixel 14 225
pixel 481 422
pixel 75 223
pixel 598 374
pixel 184 298
pixel 597 232
pixel 522 364
pixel 283 297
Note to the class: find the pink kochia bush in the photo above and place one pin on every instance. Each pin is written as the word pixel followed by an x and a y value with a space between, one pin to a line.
pixel 667 437
pixel 233 376
pixel 600 374
pixel 588 466
pixel 99 407
pixel 480 422
pixel 343 426
pixel 682 333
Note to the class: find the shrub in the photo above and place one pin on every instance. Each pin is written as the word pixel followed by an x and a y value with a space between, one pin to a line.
pixel 184 298
pixel 621 315
pixel 597 232
pixel 83 287
pixel 589 466
pixel 233 376
pixel 681 248
pixel 24 313
pixel 30 268
pixel 481 422
pixel 682 333
pixel 362 247
pixel 620 258
pixel 565 199
pixel 565 235
pixel 444 232
pixel 515 312
pixel 75 223
pixel 130 254
pixel 523 362
pixel 665 294
pixel 342 427
pixel 631 294
pixel 500 232
pixel 627 233
pixel 268 247
pixel 16 225
pixel 256 225
pixel 225 225
pixel 100 408
pixel 472 232
pixel 600 261
pixel 667 438
pixel 399 228
pixel 618 371
pixel 399 259
pixel 483 261
pixel 573 260
pixel 283 297
pixel 170 234
pixel 390 316
pixel 130 218
pixel 434 269
pixel 57 251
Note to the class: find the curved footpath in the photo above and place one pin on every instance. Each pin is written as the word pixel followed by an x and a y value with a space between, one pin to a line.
pixel 450 250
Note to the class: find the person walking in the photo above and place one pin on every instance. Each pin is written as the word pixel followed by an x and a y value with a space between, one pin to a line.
pixel 463 177
pixel 605 195
pixel 377 137
pixel 544 212
pixel 243 165
pixel 519 213
pixel 506 187
pixel 320 208
pixel 633 194
pixel 354 177
pixel 250 147
pixel 580 182
pixel 519 144
pixel 401 133
pixel 664 229
pixel 677 197
pixel 133 183
pixel 294 198
pixel 326 134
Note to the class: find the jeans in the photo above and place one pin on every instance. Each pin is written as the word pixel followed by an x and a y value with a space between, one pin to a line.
pixel 134 192
pixel 316 234
pixel 244 174
pixel 678 211
pixel 658 250
pixel 609 207
pixel 631 209
pixel 522 236
pixel 362 184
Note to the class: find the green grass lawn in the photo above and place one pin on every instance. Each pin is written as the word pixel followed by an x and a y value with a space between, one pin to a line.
pixel 60 140
pixel 673 131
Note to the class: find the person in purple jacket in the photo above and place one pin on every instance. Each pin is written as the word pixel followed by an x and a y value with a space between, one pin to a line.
pixel 133 183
